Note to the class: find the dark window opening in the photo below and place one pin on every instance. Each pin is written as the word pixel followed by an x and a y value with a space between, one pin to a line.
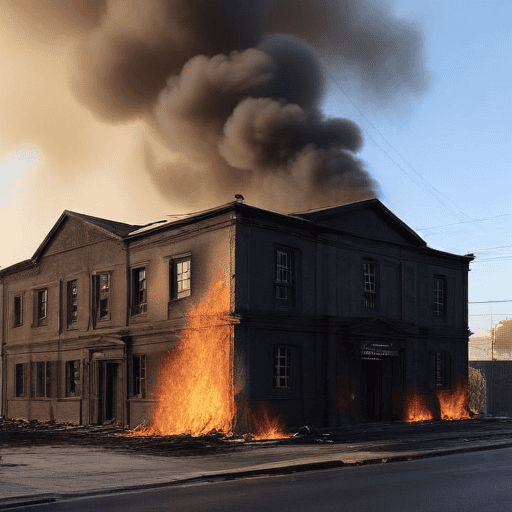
pixel 42 307
pixel 18 310
pixel 72 302
pixel 282 367
pixel 138 375
pixel 369 286
pixel 101 296
pixel 139 291
pixel 439 302
pixel 19 377
pixel 40 375
pixel 180 277
pixel 73 378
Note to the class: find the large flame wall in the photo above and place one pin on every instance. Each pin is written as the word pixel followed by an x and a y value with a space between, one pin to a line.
pixel 195 383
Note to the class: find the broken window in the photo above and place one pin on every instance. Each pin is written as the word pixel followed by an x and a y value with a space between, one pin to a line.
pixel 42 306
pixel 439 303
pixel 282 367
pixel 19 380
pixel 138 375
pixel 284 283
pixel 72 302
pixel 180 277
pixel 139 291
pixel 369 272
pixel 18 310
pixel 73 378
pixel 101 296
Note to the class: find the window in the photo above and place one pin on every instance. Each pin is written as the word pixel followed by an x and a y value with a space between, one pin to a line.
pixel 138 375
pixel 42 306
pixel 439 303
pixel 101 296
pixel 72 302
pixel 139 292
pixel 18 310
pixel 284 284
pixel 369 286
pixel 73 378
pixel 180 273
pixel 42 379
pixel 19 380
pixel 441 366
pixel 282 367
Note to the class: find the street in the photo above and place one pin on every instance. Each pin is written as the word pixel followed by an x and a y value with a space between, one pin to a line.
pixel 463 482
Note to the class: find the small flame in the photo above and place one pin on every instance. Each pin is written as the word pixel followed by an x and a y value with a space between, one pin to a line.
pixel 267 423
pixel 454 403
pixel 416 407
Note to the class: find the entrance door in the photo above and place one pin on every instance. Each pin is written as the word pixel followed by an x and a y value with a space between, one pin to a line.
pixel 107 391
pixel 371 388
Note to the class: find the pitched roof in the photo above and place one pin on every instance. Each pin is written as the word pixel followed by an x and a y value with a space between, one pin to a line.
pixel 321 214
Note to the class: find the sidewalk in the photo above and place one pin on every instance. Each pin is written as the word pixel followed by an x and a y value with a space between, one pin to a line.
pixel 37 474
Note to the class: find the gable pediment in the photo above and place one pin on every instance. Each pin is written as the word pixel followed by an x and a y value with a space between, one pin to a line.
pixel 369 219
pixel 376 327
pixel 71 232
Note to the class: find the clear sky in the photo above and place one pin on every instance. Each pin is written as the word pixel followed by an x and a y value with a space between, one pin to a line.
pixel 443 160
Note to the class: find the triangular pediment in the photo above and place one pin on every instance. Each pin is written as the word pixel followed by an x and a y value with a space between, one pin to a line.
pixel 369 219
pixel 74 230
pixel 376 327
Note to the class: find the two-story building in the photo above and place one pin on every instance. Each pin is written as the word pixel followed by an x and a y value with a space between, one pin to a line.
pixel 334 312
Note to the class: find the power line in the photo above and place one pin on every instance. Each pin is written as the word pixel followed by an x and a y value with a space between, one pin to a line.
pixel 465 222
pixel 489 301
pixel 426 183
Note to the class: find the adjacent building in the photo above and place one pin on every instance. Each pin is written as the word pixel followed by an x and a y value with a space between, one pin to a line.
pixel 334 312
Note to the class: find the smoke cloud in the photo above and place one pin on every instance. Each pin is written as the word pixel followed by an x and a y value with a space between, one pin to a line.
pixel 232 88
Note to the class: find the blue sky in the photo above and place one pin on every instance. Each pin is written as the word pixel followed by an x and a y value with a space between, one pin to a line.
pixel 457 136
pixel 443 160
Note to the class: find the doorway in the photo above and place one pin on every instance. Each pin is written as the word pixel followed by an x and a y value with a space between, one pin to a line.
pixel 371 389
pixel 107 391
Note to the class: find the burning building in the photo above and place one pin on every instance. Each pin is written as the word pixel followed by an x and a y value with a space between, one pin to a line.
pixel 326 315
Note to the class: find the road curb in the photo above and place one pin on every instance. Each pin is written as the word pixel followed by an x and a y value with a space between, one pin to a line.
pixel 13 503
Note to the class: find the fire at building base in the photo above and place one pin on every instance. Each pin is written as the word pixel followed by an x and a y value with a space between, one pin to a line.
pixel 329 316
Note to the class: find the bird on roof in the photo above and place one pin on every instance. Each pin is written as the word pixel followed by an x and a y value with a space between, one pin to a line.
pixel 239 197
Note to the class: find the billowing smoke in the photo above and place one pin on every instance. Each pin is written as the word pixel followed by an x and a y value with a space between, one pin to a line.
pixel 232 88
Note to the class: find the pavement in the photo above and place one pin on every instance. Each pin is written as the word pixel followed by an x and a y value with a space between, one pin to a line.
pixel 42 473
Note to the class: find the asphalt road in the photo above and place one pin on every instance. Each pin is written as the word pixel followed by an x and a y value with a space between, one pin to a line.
pixel 480 481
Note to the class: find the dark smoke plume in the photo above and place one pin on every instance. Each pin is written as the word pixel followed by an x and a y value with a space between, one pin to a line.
pixel 234 86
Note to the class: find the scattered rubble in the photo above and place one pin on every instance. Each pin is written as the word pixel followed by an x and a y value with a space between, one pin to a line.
pixel 114 437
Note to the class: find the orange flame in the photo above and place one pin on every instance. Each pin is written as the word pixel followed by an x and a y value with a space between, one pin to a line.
pixel 267 424
pixel 454 403
pixel 416 407
pixel 195 383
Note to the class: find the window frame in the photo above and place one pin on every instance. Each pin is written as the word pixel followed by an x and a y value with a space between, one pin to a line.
pixel 17 310
pixel 174 281
pixel 72 302
pixel 441 368
pixel 73 378
pixel 20 375
pixel 439 309
pixel 281 352
pixel 138 381
pixel 369 295
pixel 39 294
pixel 97 291
pixel 138 306
pixel 285 277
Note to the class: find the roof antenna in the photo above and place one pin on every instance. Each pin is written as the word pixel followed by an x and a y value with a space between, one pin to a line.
pixel 239 198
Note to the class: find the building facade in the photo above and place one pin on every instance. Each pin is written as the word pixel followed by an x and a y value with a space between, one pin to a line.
pixel 334 313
